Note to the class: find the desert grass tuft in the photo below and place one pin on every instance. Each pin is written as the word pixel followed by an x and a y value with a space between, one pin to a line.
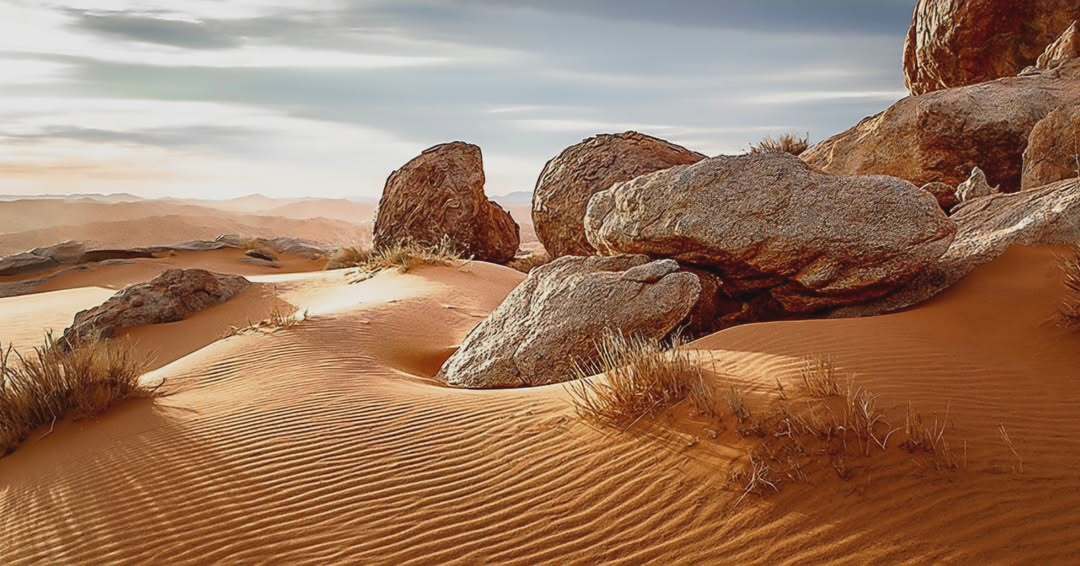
pixel 643 378
pixel 406 255
pixel 1019 467
pixel 787 143
pixel 1070 303
pixel 348 256
pixel 820 377
pixel 55 383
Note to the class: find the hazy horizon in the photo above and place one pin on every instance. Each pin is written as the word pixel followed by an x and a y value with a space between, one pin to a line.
pixel 325 98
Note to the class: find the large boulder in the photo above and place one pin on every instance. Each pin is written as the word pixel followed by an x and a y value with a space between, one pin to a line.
pixel 172 296
pixel 954 43
pixel 768 223
pixel 943 135
pixel 1053 149
pixel 568 181
pixel 944 193
pixel 986 228
pixel 438 196
pixel 554 318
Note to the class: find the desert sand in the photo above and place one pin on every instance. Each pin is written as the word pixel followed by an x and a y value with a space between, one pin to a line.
pixel 329 441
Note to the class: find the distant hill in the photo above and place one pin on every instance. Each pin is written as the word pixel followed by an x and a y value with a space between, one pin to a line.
pixel 516 197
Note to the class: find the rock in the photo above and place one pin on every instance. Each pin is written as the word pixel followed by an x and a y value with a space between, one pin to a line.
pixel 67 252
pixel 557 314
pixel 264 254
pixel 986 227
pixel 941 136
pixel 440 195
pixel 768 223
pixel 944 193
pixel 24 263
pixel 976 186
pixel 95 256
pixel 1053 149
pixel 1064 48
pixel 955 43
pixel 172 296
pixel 568 181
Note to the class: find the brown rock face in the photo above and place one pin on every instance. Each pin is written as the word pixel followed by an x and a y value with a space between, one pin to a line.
pixel 986 227
pixel 954 43
pixel 768 223
pixel 580 171
pixel 1064 48
pixel 172 296
pixel 975 187
pixel 556 315
pixel 943 135
pixel 1053 150
pixel 944 193
pixel 440 195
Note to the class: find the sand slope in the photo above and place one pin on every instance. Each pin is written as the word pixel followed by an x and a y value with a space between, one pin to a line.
pixel 329 442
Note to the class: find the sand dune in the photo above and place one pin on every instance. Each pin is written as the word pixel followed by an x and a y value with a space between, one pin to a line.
pixel 330 442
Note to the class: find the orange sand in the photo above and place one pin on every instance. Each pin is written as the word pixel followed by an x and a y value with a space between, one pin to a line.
pixel 328 442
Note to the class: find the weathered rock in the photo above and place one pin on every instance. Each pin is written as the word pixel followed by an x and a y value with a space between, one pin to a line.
pixel 770 223
pixel 1053 149
pixel 24 263
pixel 986 227
pixel 1064 48
pixel 941 136
pixel 264 254
pixel 975 187
pixel 944 193
pixel 172 296
pixel 568 181
pixel 439 196
pixel 556 315
pixel 955 43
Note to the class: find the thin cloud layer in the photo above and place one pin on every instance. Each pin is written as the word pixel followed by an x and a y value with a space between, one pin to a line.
pixel 327 98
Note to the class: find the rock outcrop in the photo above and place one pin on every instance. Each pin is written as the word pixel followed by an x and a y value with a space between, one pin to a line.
pixel 568 181
pixel 955 43
pixel 941 136
pixel 976 186
pixel 1064 48
pixel 768 223
pixel 986 227
pixel 439 195
pixel 555 317
pixel 1053 149
pixel 172 296
pixel 64 253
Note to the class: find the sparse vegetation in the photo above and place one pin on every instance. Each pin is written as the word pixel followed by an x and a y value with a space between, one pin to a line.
pixel 643 378
pixel 787 143
pixel 1019 467
pixel 54 383
pixel 1070 303
pixel 820 378
pixel 401 256
pixel 279 318
pixel 348 256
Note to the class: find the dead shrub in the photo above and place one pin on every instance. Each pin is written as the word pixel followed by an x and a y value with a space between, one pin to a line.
pixel 74 381
pixel 643 378
pixel 787 143
pixel 1070 303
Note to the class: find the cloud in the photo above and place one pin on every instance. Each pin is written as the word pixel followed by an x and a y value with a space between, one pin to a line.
pixel 164 31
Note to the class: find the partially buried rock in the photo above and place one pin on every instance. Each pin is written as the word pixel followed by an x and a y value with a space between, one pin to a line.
pixel 439 197
pixel 941 136
pixel 987 227
pixel 1053 149
pixel 768 223
pixel 568 181
pixel 975 187
pixel 555 318
pixel 172 296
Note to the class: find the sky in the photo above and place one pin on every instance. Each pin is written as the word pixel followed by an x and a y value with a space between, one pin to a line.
pixel 324 98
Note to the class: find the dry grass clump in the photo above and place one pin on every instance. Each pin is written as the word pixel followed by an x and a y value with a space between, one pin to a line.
pixel 279 318
pixel 348 256
pixel 643 379
pixel 402 256
pixel 1070 303
pixel 820 378
pixel 57 382
pixel 787 143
